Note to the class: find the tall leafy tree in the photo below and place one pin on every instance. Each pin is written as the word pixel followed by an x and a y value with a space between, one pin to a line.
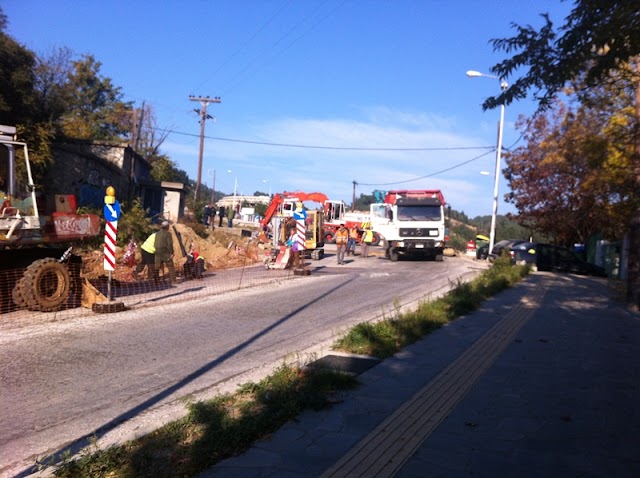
pixel 16 78
pixel 164 169
pixel 18 99
pixel 567 182
pixel 592 43
pixel 96 110
pixel 52 94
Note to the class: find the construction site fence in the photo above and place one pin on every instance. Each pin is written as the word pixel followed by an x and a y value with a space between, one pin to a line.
pixel 122 287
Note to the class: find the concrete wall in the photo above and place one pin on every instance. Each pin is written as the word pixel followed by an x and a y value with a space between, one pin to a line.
pixel 173 201
pixel 86 169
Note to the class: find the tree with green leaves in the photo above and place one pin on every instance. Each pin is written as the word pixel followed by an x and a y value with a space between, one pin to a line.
pixel 95 110
pixel 164 169
pixel 363 202
pixel 596 40
pixel 16 78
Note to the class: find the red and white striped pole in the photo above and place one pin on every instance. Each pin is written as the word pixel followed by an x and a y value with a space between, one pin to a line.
pixel 111 215
pixel 110 232
pixel 300 216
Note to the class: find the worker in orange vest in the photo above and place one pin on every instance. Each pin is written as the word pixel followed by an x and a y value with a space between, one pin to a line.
pixel 341 243
pixel 352 241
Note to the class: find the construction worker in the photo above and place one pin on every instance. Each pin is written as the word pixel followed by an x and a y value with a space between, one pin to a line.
pixel 220 215
pixel 148 251
pixel 367 239
pixel 342 235
pixel 351 242
pixel 164 250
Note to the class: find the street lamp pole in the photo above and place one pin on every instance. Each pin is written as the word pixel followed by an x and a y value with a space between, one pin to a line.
pixel 213 190
pixel 504 85
pixel 235 188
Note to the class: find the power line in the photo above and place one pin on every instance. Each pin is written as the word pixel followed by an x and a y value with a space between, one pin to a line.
pixel 266 56
pixel 335 148
pixel 246 43
pixel 432 174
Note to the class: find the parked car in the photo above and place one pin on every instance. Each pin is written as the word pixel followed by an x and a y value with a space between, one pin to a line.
pixel 547 257
pixel 501 246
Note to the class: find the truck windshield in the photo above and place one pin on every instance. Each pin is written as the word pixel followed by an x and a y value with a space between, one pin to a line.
pixel 419 213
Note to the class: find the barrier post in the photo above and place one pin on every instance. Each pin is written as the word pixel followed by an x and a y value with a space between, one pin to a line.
pixel 112 213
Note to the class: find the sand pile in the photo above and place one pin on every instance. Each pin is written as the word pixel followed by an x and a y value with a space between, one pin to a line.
pixel 222 249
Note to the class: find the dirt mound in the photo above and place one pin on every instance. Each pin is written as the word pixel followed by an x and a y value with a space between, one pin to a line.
pixel 222 249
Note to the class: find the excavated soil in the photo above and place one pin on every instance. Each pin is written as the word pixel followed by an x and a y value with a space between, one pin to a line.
pixel 223 249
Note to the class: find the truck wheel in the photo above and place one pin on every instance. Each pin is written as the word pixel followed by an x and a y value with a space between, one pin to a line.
pixel 329 238
pixel 439 257
pixel 375 240
pixel 393 255
pixel 17 294
pixel 46 285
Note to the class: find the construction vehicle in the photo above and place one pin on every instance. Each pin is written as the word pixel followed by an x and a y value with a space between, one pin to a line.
pixel 277 220
pixel 412 223
pixel 38 271
pixel 336 214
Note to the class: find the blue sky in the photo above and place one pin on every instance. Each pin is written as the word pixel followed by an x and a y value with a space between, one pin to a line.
pixel 372 91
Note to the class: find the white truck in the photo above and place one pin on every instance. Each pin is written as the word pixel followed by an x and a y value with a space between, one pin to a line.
pixel 412 222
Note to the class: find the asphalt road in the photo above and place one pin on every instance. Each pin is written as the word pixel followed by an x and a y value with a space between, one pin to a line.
pixel 119 375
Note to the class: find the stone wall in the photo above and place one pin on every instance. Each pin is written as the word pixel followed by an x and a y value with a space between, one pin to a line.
pixel 86 169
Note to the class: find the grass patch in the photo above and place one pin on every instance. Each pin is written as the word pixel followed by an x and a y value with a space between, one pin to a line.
pixel 214 429
pixel 229 424
pixel 385 338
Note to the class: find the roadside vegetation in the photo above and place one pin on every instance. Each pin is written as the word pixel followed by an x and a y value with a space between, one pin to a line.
pixel 228 425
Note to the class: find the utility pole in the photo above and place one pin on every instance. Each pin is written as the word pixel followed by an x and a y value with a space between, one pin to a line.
pixel 353 199
pixel 136 127
pixel 204 101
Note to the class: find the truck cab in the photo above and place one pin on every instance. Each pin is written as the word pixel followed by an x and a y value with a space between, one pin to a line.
pixel 412 223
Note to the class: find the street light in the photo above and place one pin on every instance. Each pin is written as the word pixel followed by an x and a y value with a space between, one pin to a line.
pixel 504 85
pixel 235 188
pixel 213 189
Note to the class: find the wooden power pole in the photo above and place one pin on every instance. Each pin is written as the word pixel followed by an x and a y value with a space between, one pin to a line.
pixel 204 101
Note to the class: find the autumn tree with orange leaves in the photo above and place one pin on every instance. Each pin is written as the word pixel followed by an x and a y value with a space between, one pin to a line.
pixel 596 39
pixel 572 179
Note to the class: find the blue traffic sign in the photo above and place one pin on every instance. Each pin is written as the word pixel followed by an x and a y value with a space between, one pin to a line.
pixel 112 212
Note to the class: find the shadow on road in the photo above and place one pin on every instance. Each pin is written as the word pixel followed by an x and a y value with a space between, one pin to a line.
pixel 82 442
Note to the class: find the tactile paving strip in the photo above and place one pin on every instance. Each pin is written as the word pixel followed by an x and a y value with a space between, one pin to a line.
pixel 387 448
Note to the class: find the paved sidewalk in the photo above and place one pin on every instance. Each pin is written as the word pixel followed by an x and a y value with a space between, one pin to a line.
pixel 543 380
